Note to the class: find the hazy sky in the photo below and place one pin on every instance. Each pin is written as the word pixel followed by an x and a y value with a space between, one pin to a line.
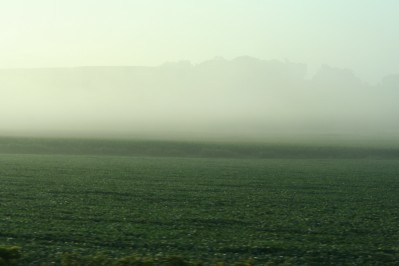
pixel 361 35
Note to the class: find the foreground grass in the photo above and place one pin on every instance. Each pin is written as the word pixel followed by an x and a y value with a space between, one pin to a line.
pixel 134 260
pixel 10 256
pixel 300 211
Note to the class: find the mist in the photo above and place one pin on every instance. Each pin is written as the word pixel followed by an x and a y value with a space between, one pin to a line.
pixel 243 98
pixel 96 69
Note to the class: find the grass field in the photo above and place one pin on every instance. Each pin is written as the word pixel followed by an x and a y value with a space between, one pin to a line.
pixel 299 204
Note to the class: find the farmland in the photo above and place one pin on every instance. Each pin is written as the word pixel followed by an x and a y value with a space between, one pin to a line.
pixel 306 205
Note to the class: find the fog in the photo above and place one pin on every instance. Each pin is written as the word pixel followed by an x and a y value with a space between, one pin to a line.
pixel 244 98
pixel 310 69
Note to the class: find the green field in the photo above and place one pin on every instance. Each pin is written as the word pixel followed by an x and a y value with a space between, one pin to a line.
pixel 307 205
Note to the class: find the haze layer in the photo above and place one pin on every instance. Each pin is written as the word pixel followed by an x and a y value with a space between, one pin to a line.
pixel 242 98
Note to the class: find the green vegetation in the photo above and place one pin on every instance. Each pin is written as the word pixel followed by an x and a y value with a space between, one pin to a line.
pixel 333 149
pixel 102 259
pixel 9 255
pixel 339 209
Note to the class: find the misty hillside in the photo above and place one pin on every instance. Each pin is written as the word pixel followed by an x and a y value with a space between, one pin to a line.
pixel 244 97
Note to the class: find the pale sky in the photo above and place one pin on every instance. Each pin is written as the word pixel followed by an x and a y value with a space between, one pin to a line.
pixel 362 35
